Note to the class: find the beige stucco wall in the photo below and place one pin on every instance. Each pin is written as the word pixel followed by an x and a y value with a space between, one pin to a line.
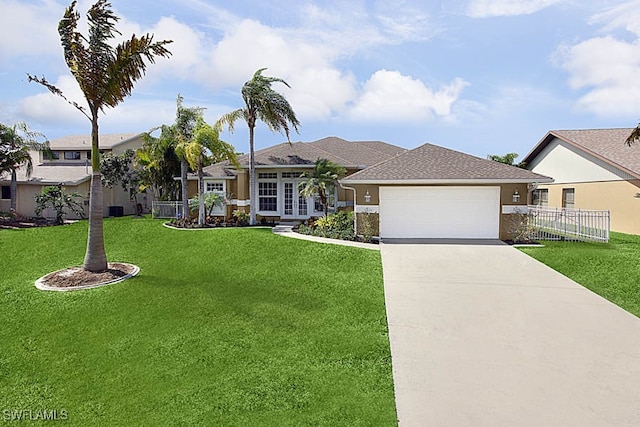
pixel 132 144
pixel 506 198
pixel 618 197
pixel 25 201
pixel 26 204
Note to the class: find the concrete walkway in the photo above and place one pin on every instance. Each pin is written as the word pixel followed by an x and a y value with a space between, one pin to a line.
pixel 483 335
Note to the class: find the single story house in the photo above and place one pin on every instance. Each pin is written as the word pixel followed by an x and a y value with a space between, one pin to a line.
pixel 592 169
pixel 278 171
pixel 435 192
pixel 427 192
pixel 69 164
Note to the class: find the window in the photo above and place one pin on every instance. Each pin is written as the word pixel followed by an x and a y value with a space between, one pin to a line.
pixel 267 175
pixel 268 196
pixel 568 197
pixel 50 155
pixel 541 197
pixel 72 155
pixel 291 174
pixel 89 154
pixel 218 187
pixel 6 192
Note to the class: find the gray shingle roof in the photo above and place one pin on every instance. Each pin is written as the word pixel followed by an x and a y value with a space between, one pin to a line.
pixel 353 154
pixel 431 164
pixel 51 174
pixel 83 142
pixel 606 144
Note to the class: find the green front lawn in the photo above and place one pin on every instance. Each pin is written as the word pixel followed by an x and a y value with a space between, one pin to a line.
pixel 229 327
pixel 610 270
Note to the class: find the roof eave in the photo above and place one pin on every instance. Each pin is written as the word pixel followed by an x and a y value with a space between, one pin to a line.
pixel 447 181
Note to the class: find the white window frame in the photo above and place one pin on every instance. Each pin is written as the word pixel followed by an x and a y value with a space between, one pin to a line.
pixel 542 201
pixel 220 184
pixel 267 177
pixel 565 201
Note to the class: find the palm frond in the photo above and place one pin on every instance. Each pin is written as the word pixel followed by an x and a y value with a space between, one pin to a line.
pixel 229 120
pixel 634 137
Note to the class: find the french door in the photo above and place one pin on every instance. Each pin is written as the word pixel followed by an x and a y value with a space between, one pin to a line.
pixel 294 204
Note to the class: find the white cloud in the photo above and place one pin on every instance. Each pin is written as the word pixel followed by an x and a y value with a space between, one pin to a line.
pixel 308 55
pixel 606 67
pixel 491 8
pixel 29 29
pixel 51 109
pixel 625 16
pixel 391 96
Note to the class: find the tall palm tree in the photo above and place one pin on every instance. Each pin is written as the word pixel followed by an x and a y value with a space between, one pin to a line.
pixel 264 104
pixel 106 75
pixel 321 180
pixel 183 134
pixel 206 148
pixel 17 141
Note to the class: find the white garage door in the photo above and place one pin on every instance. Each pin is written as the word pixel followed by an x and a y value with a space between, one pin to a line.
pixel 440 212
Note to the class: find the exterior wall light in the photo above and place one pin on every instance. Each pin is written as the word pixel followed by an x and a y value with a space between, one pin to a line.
pixel 367 197
pixel 516 196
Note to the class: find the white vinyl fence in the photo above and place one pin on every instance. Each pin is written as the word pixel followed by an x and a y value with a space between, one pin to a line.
pixel 569 224
pixel 165 209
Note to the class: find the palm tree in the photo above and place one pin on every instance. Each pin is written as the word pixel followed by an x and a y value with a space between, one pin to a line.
pixel 206 148
pixel 321 180
pixel 106 75
pixel 183 134
pixel 16 142
pixel 159 164
pixel 264 104
pixel 635 136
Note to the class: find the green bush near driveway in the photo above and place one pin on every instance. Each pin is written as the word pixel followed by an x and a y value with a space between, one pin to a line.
pixel 230 327
pixel 609 269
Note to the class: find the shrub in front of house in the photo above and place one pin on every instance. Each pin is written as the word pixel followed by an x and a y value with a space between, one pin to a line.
pixel 334 226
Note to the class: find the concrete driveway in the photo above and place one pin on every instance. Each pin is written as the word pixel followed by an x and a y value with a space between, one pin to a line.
pixel 483 335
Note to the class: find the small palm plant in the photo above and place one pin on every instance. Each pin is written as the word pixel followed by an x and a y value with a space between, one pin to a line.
pixel 320 181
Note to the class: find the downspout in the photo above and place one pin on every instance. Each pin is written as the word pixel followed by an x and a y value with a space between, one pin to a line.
pixel 531 187
pixel 355 205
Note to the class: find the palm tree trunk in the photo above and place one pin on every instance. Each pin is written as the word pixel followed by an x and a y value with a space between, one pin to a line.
pixel 201 213
pixel 252 180
pixel 185 188
pixel 14 190
pixel 95 259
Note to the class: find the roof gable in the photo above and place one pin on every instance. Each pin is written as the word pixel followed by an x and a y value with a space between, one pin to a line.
pixel 607 145
pixel 431 163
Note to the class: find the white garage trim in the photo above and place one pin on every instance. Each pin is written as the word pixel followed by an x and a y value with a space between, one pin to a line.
pixel 468 212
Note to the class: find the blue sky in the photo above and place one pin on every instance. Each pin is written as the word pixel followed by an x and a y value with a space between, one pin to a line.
pixel 479 76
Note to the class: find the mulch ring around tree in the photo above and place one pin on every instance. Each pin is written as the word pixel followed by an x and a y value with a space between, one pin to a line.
pixel 77 278
pixel 14 223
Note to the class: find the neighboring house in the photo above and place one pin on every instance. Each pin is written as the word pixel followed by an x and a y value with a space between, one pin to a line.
pixel 69 164
pixel 435 192
pixel 427 192
pixel 592 169
pixel 278 171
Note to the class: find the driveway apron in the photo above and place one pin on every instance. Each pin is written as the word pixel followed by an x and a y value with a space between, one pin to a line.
pixel 484 335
